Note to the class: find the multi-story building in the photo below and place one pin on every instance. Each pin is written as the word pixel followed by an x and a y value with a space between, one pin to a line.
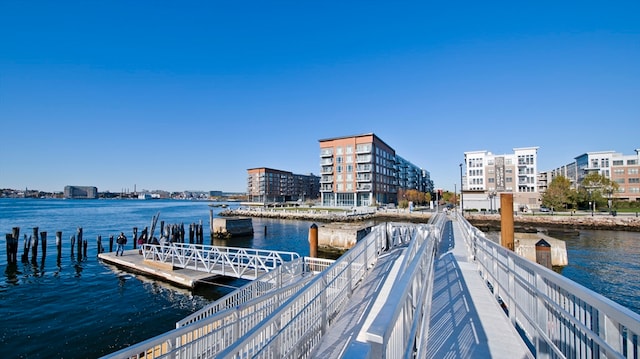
pixel 487 175
pixel 80 192
pixel 620 168
pixel 267 185
pixel 363 170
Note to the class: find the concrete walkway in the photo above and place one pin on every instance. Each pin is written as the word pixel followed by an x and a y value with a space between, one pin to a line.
pixel 349 322
pixel 466 320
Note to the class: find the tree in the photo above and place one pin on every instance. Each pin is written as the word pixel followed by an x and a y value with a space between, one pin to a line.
pixel 597 188
pixel 559 194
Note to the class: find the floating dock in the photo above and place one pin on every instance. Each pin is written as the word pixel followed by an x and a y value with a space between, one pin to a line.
pixel 132 261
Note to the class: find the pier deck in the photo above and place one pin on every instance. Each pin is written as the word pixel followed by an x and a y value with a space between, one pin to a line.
pixel 133 261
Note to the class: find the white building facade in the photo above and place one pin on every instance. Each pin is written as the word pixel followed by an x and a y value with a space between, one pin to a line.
pixel 487 175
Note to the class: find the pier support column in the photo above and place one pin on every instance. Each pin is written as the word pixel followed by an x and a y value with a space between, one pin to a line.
pixel 506 220
pixel 313 241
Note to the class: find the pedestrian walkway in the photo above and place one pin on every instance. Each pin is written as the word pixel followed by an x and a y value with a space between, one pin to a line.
pixel 347 326
pixel 466 320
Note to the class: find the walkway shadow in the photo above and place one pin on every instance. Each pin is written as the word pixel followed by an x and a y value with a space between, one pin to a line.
pixel 455 330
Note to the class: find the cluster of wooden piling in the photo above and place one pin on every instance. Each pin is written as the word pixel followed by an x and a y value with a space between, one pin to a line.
pixel 31 243
pixel 175 233
pixel 78 244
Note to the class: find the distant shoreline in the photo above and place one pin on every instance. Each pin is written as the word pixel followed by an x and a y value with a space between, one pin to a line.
pixel 486 222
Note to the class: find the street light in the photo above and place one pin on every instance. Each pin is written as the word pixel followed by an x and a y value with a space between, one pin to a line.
pixel 461 191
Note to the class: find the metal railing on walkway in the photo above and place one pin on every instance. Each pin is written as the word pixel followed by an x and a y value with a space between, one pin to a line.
pixel 246 263
pixel 289 272
pixel 400 327
pixel 296 327
pixel 557 318
pixel 204 333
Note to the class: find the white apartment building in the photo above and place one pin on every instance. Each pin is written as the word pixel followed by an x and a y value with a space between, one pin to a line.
pixel 487 175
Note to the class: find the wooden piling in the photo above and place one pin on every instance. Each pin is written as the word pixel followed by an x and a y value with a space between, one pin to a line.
pixel 59 243
pixel 99 244
pixel 27 247
pixel 72 239
pixel 79 235
pixel 43 240
pixel 265 231
pixel 111 243
pixel 506 221
pixel 84 245
pixel 135 237
pixel 12 249
pixel 313 241
pixel 34 244
pixel 211 224
pixel 191 232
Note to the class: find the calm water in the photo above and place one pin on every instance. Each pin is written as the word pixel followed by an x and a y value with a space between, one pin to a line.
pixel 85 309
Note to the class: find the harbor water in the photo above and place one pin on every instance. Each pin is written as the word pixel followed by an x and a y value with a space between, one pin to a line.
pixel 83 308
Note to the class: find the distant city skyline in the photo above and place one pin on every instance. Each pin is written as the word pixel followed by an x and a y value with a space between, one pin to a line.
pixel 188 97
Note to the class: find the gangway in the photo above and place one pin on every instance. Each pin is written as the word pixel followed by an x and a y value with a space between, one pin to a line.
pixel 245 263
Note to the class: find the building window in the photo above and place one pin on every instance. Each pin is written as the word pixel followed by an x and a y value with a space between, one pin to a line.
pixel 618 163
pixel 632 171
pixel 634 180
pixel 349 150
pixel 339 151
pixel 632 162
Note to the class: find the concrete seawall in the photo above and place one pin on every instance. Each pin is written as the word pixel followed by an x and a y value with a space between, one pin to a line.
pixel 523 222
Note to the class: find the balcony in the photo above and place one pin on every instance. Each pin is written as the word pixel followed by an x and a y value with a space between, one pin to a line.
pixel 363 148
pixel 363 178
pixel 363 168
pixel 326 152
pixel 363 187
pixel 326 188
pixel 326 162
pixel 326 179
pixel 363 159
pixel 326 170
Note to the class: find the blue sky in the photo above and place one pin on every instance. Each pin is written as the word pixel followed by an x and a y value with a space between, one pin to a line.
pixel 189 95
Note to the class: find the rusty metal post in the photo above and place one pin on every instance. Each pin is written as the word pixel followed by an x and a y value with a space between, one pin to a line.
pixel 506 220
pixel 313 241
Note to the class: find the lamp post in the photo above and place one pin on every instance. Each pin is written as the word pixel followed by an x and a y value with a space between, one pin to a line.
pixel 492 195
pixel 461 191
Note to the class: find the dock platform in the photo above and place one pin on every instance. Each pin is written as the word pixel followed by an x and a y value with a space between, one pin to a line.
pixel 135 262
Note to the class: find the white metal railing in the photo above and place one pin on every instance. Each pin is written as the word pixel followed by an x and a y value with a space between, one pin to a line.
pixel 297 326
pixel 400 328
pixel 556 317
pixel 213 328
pixel 283 275
pixel 244 263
